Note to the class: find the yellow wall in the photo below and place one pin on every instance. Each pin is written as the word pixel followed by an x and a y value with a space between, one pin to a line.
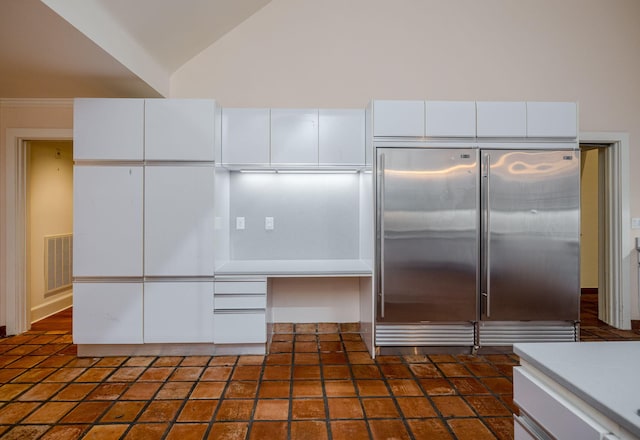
pixel 589 219
pixel 50 212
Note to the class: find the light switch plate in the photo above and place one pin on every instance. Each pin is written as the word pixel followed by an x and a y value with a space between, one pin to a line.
pixel 635 223
pixel 239 223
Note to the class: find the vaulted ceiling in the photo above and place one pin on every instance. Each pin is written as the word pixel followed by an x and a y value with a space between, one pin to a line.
pixel 106 48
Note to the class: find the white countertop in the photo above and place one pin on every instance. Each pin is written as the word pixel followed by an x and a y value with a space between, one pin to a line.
pixel 606 375
pixel 296 268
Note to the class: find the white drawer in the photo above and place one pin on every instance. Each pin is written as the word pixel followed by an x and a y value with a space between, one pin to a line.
pixel 551 411
pixel 231 302
pixel 239 328
pixel 242 287
pixel 522 430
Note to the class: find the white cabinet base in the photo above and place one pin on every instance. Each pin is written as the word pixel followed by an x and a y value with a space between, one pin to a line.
pixel 95 350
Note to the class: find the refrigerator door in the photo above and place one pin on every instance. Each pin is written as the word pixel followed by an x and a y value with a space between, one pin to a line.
pixel 428 248
pixel 530 224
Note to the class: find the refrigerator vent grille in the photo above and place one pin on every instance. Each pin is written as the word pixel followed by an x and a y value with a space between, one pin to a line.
pixel 425 334
pixel 58 262
pixel 512 333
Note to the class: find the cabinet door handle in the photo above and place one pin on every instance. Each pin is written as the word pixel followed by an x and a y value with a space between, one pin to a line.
pixel 382 170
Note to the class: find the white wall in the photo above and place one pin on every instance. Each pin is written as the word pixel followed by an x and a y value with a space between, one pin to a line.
pixel 333 53
pixel 49 212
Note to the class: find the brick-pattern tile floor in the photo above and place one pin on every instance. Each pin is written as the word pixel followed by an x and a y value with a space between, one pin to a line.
pixel 318 382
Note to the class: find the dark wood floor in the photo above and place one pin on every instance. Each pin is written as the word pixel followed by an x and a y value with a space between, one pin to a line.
pixel 61 321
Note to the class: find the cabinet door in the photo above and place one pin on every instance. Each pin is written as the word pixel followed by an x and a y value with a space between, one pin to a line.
pixel 450 118
pixel 107 313
pixel 501 119
pixel 107 221
pixel 398 118
pixel 178 312
pixel 240 327
pixel 245 136
pixel 552 119
pixel 179 129
pixel 179 221
pixel 294 137
pixel 108 129
pixel 341 136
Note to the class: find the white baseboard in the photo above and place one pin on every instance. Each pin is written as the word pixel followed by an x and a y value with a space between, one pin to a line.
pixel 62 301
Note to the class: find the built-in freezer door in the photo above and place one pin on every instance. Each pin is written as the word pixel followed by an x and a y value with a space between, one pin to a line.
pixel 428 246
pixel 530 224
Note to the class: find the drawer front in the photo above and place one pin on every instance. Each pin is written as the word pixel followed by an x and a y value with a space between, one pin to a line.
pixel 242 287
pixel 230 302
pixel 240 328
pixel 551 411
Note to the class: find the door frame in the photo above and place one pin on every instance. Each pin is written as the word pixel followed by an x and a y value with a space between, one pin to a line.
pixel 614 296
pixel 14 285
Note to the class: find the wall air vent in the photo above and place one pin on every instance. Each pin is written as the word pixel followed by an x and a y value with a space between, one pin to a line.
pixel 57 262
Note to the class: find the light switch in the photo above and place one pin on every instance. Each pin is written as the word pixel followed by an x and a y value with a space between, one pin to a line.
pixel 239 223
pixel 635 223
pixel 268 223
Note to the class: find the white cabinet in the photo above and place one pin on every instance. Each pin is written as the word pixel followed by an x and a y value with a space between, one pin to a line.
pixel 341 136
pixel 245 136
pixel 240 315
pixel 178 312
pixel 552 119
pixel 294 137
pixel 108 129
pixel 107 313
pixel 550 410
pixel 179 221
pixel 240 327
pixel 450 119
pixel 398 118
pixel 107 221
pixel 501 119
pixel 179 129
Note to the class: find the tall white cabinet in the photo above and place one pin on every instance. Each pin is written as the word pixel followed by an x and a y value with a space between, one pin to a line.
pixel 143 221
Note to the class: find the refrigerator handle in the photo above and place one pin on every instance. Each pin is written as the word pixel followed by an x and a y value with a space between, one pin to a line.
pixel 382 164
pixel 486 232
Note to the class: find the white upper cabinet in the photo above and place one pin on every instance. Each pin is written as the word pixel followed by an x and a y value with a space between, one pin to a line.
pixel 108 129
pixel 341 136
pixel 552 119
pixel 107 221
pixel 179 129
pixel 107 313
pixel 294 137
pixel 188 306
pixel 245 136
pixel 450 119
pixel 398 118
pixel 501 119
pixel 179 221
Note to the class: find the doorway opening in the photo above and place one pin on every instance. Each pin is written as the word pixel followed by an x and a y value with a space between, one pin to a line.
pixel 592 231
pixel 49 223
pixel 606 246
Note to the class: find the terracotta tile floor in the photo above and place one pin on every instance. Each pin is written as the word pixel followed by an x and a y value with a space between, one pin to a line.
pixel 318 382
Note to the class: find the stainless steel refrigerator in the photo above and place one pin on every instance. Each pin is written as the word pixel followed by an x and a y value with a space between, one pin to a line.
pixel 477 246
